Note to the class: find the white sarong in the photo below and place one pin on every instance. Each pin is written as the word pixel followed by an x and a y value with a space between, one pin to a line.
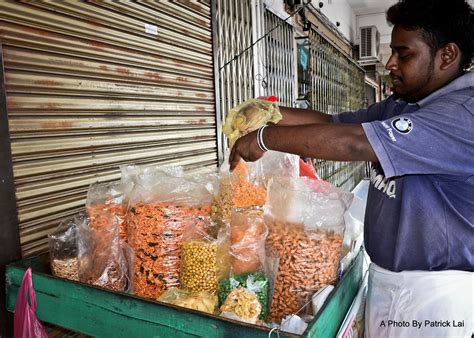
pixel 421 304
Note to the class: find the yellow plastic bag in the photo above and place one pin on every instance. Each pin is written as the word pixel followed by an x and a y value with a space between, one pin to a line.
pixel 249 116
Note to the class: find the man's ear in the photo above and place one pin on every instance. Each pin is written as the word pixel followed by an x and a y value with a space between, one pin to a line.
pixel 450 56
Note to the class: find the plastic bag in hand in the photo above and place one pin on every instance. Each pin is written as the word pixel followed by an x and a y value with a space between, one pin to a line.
pixel 249 116
pixel 26 324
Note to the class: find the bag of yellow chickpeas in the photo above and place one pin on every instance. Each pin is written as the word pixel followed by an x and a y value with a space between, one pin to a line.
pixel 204 260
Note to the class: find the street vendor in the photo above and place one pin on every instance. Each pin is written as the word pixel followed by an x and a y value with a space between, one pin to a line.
pixel 419 222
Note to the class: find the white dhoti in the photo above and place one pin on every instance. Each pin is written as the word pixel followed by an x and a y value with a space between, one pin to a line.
pixel 419 304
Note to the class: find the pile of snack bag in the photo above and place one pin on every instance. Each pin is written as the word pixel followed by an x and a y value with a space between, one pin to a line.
pixel 253 245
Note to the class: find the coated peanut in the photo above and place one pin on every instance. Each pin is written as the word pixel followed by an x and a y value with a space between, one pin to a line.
pixel 308 261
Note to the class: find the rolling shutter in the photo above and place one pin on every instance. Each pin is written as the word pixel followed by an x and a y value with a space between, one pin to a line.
pixel 95 84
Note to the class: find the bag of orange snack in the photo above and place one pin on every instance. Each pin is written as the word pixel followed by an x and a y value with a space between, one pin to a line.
pixel 162 204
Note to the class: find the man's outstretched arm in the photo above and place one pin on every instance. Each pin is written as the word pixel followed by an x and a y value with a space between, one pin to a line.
pixel 298 116
pixel 329 141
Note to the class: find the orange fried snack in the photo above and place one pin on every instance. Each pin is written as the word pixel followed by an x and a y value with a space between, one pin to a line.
pixel 102 214
pixel 156 235
pixel 107 270
pixel 237 192
pixel 247 239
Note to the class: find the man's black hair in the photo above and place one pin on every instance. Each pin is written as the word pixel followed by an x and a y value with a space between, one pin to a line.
pixel 441 22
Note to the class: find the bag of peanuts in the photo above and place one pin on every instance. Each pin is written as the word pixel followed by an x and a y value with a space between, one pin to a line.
pixel 63 250
pixel 309 249
pixel 107 201
pixel 103 255
pixel 247 241
pixel 162 204
pixel 204 260
pixel 241 189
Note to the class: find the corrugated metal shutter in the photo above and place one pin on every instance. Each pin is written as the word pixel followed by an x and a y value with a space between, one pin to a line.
pixel 89 89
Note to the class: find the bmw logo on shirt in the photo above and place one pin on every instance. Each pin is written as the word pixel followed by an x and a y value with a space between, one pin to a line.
pixel 403 125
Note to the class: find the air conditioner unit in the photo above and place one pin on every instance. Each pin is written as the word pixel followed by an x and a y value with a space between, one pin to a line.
pixel 369 45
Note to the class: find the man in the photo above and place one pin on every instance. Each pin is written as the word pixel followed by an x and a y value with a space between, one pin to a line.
pixel 419 222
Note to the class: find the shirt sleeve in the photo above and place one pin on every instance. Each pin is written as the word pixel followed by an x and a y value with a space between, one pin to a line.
pixel 372 113
pixel 436 139
pixel 351 117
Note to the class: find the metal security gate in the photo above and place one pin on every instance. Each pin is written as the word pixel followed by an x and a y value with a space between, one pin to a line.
pixel 264 69
pixel 93 85
pixel 280 59
pixel 337 85
pixel 236 75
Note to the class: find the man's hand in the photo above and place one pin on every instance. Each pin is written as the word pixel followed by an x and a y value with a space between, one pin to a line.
pixel 245 148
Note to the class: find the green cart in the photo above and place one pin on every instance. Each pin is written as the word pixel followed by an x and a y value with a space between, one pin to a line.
pixel 102 313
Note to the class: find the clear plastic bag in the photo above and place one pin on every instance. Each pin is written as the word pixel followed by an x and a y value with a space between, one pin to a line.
pixel 249 116
pixel 255 282
pixel 247 185
pixel 162 204
pixel 107 201
pixel 241 189
pixel 307 262
pixel 275 163
pixel 247 241
pixel 305 201
pixel 63 250
pixel 200 301
pixel 204 260
pixel 308 245
pixel 241 304
pixel 102 256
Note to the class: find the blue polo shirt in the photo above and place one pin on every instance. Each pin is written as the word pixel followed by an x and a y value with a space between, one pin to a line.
pixel 420 205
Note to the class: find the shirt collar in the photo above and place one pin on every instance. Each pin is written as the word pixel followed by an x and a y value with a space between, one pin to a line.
pixel 462 82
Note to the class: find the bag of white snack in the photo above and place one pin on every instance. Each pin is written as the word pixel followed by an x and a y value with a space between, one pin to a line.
pixel 243 305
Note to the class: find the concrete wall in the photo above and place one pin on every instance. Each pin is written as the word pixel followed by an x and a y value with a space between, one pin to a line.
pixel 340 11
